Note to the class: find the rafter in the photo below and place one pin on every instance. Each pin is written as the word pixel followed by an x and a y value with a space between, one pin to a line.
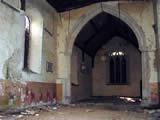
pixel 107 24
pixel 66 5
pixel 82 49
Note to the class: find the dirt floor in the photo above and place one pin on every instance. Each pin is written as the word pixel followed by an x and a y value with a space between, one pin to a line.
pixel 85 111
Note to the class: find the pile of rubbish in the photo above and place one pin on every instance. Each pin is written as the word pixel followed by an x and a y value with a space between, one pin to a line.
pixel 33 111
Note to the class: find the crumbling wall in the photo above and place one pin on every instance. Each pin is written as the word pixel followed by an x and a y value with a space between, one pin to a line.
pixel 135 13
pixel 15 80
pixel 140 11
pixel 83 88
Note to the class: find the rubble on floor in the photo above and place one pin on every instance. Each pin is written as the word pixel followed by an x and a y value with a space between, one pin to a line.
pixel 87 108
pixel 33 111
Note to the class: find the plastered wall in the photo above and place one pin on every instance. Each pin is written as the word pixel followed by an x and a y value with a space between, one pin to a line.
pixel 101 77
pixel 57 46
pixel 83 88
pixel 12 54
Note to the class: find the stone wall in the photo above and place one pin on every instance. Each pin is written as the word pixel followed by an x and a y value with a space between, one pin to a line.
pixel 101 77
pixel 16 95
pixel 83 89
pixel 59 34
pixel 138 15
pixel 12 41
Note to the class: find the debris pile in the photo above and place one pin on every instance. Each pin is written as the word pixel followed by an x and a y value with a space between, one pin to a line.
pixel 153 112
pixel 34 111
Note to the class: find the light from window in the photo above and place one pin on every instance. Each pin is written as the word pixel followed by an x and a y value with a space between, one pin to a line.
pixel 119 53
pixel 33 41
pixel 27 23
pixel 27 39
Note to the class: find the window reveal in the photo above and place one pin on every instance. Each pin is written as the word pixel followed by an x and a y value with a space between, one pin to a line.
pixel 23 4
pixel 33 41
pixel 27 39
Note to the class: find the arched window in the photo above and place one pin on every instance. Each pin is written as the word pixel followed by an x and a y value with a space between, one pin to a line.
pixel 118 64
pixel 118 67
pixel 23 4
pixel 27 39
pixel 33 41
pixel 112 74
pixel 123 68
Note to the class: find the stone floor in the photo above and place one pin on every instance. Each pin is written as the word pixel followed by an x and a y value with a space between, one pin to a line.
pixel 85 110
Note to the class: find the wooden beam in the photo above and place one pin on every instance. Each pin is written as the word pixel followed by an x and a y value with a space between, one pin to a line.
pixel 94 25
pixel 67 5
pixel 96 34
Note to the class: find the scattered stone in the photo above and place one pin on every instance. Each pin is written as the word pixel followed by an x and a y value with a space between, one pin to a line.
pixel 151 111
pixel 30 112
pixel 54 108
pixel 23 113
pixel 20 116
pixel 89 110
pixel 37 115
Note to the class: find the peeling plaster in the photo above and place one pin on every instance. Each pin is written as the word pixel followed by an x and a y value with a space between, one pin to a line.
pixel 2 92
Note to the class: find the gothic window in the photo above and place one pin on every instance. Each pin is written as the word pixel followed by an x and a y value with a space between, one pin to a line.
pixel 33 41
pixel 117 68
pixel 27 39
pixel 23 4
pixel 112 74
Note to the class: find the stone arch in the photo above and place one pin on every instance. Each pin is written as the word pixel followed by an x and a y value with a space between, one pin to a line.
pixel 142 42
pixel 77 27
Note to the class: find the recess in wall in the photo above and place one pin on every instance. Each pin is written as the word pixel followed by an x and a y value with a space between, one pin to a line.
pixel 49 67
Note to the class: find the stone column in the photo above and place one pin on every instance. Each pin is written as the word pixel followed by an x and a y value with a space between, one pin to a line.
pixel 67 82
pixel 145 80
pixel 63 76
pixel 149 78
pixel 156 8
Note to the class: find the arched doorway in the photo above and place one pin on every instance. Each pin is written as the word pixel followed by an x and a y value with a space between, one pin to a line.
pixel 138 32
pixel 106 60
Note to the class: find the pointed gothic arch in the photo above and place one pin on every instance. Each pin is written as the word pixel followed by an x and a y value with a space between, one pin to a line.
pixel 137 30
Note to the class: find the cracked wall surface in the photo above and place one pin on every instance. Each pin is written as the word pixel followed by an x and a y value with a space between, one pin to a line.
pixel 138 15
pixel 57 48
pixel 14 80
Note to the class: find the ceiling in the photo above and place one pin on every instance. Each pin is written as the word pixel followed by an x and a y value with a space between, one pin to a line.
pixel 100 30
pixel 65 5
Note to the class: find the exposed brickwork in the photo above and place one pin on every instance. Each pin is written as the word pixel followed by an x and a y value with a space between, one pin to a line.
pixel 18 94
pixel 154 92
